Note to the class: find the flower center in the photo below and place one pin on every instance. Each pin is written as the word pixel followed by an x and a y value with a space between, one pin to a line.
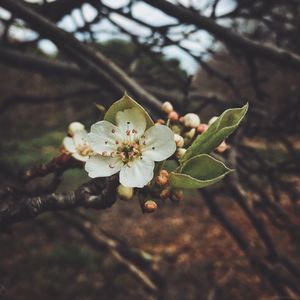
pixel 129 152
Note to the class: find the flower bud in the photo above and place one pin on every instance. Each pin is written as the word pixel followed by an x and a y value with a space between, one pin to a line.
pixel 202 128
pixel 173 115
pixel 150 206
pixel 176 129
pixel 164 173
pixel 190 134
pixel 165 193
pixel 162 180
pixel 222 147
pixel 191 120
pixel 167 107
pixel 160 121
pixel 177 196
pixel 180 152
pixel 212 120
pixel 75 126
pixel 178 140
pixel 125 193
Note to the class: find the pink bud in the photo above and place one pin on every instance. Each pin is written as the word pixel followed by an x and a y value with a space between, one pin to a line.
pixel 202 128
pixel 173 115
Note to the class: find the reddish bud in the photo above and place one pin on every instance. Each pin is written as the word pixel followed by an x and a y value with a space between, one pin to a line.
pixel 160 121
pixel 165 193
pixel 202 128
pixel 173 116
pixel 150 206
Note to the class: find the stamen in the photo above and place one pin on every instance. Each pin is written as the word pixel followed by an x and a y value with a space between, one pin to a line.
pixel 111 166
pixel 128 132
pixel 113 131
pixel 134 131
pixel 117 142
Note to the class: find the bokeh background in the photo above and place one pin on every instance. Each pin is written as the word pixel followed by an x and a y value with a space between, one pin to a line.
pixel 236 240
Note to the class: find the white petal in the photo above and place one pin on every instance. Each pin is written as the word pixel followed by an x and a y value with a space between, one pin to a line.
pixel 69 144
pixel 159 143
pixel 138 174
pixel 80 137
pixel 131 119
pixel 100 166
pixel 80 157
pixel 104 137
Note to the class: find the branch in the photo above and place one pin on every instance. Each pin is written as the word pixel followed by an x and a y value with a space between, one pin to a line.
pixel 268 52
pixel 85 56
pixel 40 65
pixel 14 208
pixel 131 259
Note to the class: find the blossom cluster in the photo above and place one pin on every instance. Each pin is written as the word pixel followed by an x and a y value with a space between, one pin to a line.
pixel 132 148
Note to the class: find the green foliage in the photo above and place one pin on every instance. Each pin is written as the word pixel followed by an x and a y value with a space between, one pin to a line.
pixel 198 172
pixel 124 103
pixel 197 169
pixel 225 125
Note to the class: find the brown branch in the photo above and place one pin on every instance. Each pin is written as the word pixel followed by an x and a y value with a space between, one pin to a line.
pixel 231 39
pixel 85 56
pixel 130 258
pixel 14 207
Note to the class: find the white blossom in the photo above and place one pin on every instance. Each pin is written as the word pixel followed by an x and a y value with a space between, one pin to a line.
pixel 191 120
pixel 77 145
pixel 128 148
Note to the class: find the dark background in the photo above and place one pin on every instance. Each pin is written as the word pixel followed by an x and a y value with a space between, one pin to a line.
pixel 236 240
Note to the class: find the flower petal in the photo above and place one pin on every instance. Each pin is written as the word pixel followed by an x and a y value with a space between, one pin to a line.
pixel 80 157
pixel 129 120
pixel 104 137
pixel 138 174
pixel 80 137
pixel 69 144
pixel 102 166
pixel 158 143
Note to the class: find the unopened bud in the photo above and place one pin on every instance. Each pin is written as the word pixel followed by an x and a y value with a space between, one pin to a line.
pixel 167 107
pixel 222 147
pixel 191 120
pixel 178 140
pixel 150 206
pixel 75 126
pixel 165 193
pixel 180 152
pixel 164 173
pixel 162 180
pixel 202 128
pixel 125 193
pixel 173 115
pixel 212 120
pixel 177 196
pixel 160 121
pixel 176 129
pixel 190 134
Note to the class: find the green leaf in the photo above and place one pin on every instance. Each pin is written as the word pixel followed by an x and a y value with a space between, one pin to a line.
pixel 198 172
pixel 124 103
pixel 216 133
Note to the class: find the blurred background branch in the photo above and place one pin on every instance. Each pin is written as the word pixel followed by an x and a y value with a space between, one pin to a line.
pixel 236 240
